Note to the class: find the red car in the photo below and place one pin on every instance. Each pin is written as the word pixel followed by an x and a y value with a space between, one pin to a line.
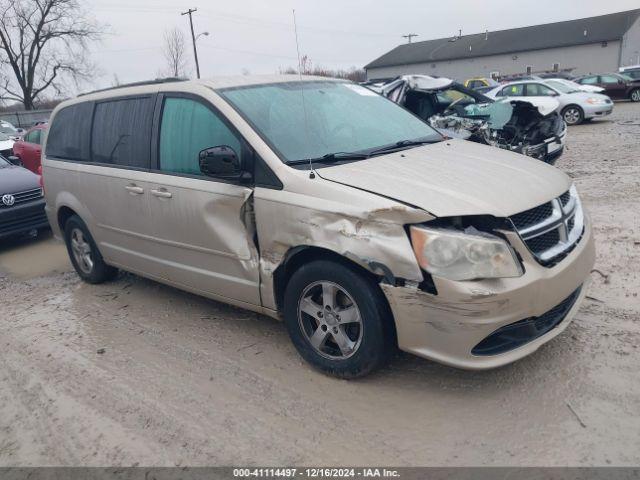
pixel 29 147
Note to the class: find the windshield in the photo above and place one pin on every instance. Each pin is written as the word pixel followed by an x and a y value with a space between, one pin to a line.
pixel 561 86
pixel 4 137
pixel 4 128
pixel 340 118
pixel 626 77
pixel 3 162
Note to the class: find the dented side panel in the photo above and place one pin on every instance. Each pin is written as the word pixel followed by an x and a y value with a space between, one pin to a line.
pixel 372 236
pixel 203 236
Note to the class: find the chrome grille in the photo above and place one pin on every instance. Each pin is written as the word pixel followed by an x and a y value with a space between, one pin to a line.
pixel 533 216
pixel 552 229
pixel 22 197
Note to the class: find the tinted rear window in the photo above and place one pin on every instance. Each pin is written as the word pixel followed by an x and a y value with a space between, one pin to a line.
pixel 121 132
pixel 69 133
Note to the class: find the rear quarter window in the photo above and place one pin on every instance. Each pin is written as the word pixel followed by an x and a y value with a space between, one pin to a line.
pixel 69 133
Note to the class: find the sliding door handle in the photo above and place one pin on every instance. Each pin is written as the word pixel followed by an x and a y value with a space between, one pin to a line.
pixel 161 193
pixel 134 189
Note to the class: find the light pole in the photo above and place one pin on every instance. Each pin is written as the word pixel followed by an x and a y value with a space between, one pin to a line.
pixel 195 40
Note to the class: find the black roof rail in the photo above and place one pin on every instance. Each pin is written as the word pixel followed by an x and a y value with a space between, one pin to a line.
pixel 137 84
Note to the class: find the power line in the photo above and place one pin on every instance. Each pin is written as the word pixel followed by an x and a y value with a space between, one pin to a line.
pixel 244 19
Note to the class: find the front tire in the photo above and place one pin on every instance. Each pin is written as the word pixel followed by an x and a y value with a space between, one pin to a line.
pixel 84 253
pixel 338 319
pixel 634 96
pixel 572 115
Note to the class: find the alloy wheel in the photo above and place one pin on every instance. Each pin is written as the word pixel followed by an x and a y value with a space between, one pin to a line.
pixel 572 116
pixel 81 251
pixel 330 320
pixel 635 95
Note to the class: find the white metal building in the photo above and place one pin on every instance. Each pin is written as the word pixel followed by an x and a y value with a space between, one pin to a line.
pixel 587 45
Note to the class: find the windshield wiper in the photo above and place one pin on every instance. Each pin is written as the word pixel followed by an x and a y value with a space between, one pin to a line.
pixel 401 145
pixel 332 157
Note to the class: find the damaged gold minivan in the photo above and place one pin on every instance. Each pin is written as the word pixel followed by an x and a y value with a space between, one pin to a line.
pixel 320 202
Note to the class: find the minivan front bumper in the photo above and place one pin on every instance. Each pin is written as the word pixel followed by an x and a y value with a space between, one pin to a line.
pixel 448 326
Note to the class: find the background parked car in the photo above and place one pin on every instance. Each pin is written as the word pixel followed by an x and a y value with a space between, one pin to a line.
pixel 632 71
pixel 563 75
pixel 574 85
pixel 9 130
pixel 21 200
pixel 29 148
pixel 530 127
pixel 6 145
pixel 616 85
pixel 575 106
pixel 480 82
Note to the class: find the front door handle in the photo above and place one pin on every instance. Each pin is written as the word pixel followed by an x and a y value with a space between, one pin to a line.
pixel 161 193
pixel 134 189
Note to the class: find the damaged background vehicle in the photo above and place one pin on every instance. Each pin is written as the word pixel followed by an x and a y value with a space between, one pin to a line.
pixel 323 203
pixel 575 105
pixel 530 127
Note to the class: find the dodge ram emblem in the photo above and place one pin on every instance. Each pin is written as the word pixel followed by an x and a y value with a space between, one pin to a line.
pixel 8 200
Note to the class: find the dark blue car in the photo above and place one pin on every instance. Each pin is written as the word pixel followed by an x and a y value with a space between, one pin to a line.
pixel 21 200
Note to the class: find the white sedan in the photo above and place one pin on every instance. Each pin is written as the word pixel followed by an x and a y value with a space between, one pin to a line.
pixel 6 145
pixel 575 106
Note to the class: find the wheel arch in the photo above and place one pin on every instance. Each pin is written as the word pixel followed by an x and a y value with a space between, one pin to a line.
pixel 298 256
pixel 63 214
pixel 303 254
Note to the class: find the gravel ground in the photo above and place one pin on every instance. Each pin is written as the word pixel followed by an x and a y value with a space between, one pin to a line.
pixel 133 372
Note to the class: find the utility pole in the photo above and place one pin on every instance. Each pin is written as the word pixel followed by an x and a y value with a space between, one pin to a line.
pixel 193 38
pixel 409 36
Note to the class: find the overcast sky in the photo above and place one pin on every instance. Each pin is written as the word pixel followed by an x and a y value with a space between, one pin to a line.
pixel 257 35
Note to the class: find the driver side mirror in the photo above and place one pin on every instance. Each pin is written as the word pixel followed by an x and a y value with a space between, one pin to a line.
pixel 220 161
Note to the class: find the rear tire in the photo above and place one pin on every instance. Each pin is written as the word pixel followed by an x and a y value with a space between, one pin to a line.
pixel 338 319
pixel 634 96
pixel 84 254
pixel 572 115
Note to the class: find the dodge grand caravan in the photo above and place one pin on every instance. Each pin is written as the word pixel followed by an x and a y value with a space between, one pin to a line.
pixel 322 203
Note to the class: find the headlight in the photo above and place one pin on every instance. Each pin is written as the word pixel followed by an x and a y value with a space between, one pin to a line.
pixel 596 101
pixel 463 256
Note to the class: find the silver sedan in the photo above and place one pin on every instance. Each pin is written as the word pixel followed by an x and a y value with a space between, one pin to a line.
pixel 575 106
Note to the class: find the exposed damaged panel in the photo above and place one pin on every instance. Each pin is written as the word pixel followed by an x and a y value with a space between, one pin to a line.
pixel 374 239
pixel 535 130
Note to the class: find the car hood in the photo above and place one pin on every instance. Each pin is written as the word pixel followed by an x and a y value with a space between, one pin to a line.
pixel 591 88
pixel 455 178
pixel 15 179
pixel 544 105
pixel 583 96
pixel 6 144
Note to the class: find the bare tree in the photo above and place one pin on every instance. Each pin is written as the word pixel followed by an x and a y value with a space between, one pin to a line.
pixel 307 67
pixel 174 51
pixel 43 46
